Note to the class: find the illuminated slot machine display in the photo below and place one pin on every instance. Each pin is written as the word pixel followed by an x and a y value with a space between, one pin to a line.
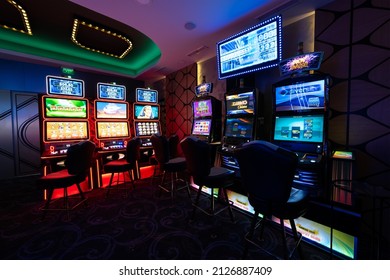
pixel 207 114
pixel 146 116
pixel 240 123
pixel 64 117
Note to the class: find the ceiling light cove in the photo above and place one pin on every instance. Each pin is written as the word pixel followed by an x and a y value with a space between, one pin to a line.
pixel 14 22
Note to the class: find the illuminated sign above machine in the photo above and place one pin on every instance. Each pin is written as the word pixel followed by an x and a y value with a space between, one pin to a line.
pixel 111 91
pixel 302 62
pixel 64 86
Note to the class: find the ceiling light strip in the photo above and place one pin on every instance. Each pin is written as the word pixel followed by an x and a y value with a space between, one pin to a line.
pixel 24 16
pixel 77 23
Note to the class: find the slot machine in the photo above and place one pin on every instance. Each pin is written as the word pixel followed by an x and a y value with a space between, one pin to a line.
pixel 64 114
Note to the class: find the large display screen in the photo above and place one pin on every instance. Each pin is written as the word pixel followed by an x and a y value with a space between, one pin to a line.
pixel 254 49
pixel 201 127
pixel 146 112
pixel 239 127
pixel 300 96
pixel 111 110
pixel 106 130
pixel 240 103
pixel 202 108
pixel 64 86
pixel 299 128
pixel 111 91
pixel 54 107
pixel 146 129
pixel 65 131
pixel 146 95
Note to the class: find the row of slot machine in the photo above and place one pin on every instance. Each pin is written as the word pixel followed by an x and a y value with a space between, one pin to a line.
pixel 68 117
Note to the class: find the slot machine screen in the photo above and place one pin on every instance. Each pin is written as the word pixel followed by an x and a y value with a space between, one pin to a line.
pixel 253 49
pixel 146 129
pixel 55 131
pixel 106 130
pixel 300 96
pixel 201 127
pixel 299 128
pixel 146 112
pixel 111 91
pixel 240 103
pixel 111 110
pixel 146 95
pixel 239 127
pixel 202 108
pixel 54 107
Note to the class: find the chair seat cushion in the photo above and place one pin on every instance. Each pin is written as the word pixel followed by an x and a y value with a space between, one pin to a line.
pixel 177 164
pixel 59 179
pixel 120 165
pixel 295 207
pixel 218 177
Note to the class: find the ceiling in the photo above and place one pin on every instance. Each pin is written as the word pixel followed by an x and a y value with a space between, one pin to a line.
pixel 166 35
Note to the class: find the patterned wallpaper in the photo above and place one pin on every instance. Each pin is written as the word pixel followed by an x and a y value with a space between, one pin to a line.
pixel 354 35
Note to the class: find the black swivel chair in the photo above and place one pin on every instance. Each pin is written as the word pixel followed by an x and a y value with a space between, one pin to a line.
pixel 128 164
pixel 172 166
pixel 267 173
pixel 78 163
pixel 197 154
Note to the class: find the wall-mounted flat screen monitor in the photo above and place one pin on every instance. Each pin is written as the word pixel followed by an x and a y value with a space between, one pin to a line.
pixel 201 127
pixel 299 128
pixel 55 107
pixel 202 108
pixel 240 104
pixel 146 112
pixel 253 49
pixel 146 95
pixel 111 110
pixel 111 91
pixel 146 128
pixel 55 131
pixel 64 86
pixel 106 129
pixel 300 96
pixel 239 127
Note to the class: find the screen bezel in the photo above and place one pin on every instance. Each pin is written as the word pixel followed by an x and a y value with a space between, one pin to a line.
pixel 199 133
pixel 155 106
pixel 105 101
pixel 98 135
pixel 139 92
pixel 244 35
pixel 293 82
pixel 298 116
pixel 44 107
pixel 113 86
pixel 45 131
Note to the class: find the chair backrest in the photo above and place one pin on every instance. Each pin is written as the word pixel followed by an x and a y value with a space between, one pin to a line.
pixel 267 170
pixel 197 155
pixel 173 142
pixel 132 150
pixel 79 157
pixel 161 148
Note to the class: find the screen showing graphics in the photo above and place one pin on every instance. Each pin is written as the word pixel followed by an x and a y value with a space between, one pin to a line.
pixel 301 128
pixel 146 95
pixel 111 110
pixel 146 112
pixel 111 91
pixel 146 129
pixel 241 103
pixel 65 131
pixel 300 96
pixel 112 129
pixel 254 49
pixel 201 127
pixel 202 108
pixel 239 127
pixel 64 86
pixel 64 108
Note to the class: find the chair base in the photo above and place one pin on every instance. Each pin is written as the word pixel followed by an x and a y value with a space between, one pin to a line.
pixel 118 185
pixel 212 211
pixel 258 227
pixel 171 186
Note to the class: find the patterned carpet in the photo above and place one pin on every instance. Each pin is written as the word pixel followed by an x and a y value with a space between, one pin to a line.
pixel 146 225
